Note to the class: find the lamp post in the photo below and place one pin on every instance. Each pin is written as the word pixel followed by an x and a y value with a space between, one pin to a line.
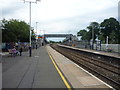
pixel 30 48
pixel 43 36
pixel 0 38
pixel 107 43
pixel 36 34
pixel 119 11
pixel 36 27
pixel 92 37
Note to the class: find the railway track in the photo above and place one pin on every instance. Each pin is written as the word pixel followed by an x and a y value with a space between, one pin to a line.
pixel 107 72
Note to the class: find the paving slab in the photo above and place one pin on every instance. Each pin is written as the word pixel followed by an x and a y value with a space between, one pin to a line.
pixel 37 71
pixel 77 76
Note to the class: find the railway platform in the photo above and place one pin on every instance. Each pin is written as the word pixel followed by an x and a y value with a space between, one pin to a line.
pixel 117 55
pixel 46 69
pixel 77 76
pixel 37 71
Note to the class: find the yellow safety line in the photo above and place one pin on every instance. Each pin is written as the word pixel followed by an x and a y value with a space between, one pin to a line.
pixel 61 75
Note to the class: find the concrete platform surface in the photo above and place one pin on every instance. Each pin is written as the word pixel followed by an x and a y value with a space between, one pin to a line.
pixel 77 76
pixel 37 71
pixel 0 76
pixel 117 55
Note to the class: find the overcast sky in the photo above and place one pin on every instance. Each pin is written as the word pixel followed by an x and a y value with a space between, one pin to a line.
pixel 60 16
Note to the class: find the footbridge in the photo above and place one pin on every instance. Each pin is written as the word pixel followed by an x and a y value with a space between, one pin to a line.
pixel 57 35
pixel 43 37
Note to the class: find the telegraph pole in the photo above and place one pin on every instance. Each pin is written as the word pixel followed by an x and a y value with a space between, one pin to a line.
pixel 30 46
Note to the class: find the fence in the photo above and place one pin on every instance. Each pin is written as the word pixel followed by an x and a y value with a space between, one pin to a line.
pixel 97 46
pixel 112 47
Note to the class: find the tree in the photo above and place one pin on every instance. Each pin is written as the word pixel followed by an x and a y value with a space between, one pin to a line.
pixel 15 31
pixel 87 35
pixel 112 37
pixel 33 36
pixel 94 29
pixel 111 28
pixel 7 34
pixel 83 34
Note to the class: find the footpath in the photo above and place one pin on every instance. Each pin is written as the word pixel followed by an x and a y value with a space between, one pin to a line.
pixel 37 71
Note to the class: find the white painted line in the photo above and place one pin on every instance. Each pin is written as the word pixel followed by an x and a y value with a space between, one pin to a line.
pixel 88 72
pixel 36 56
pixel 96 52
pixel 93 76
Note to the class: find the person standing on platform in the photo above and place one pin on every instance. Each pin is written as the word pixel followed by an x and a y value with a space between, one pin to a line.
pixel 21 51
pixel 36 46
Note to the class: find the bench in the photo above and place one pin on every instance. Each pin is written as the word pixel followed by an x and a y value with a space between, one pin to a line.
pixel 13 52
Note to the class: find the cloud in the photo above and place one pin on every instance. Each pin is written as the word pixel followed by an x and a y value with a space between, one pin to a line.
pixel 76 23
pixel 10 10
pixel 61 16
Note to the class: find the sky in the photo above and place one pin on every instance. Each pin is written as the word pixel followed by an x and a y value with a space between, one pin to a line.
pixel 60 16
